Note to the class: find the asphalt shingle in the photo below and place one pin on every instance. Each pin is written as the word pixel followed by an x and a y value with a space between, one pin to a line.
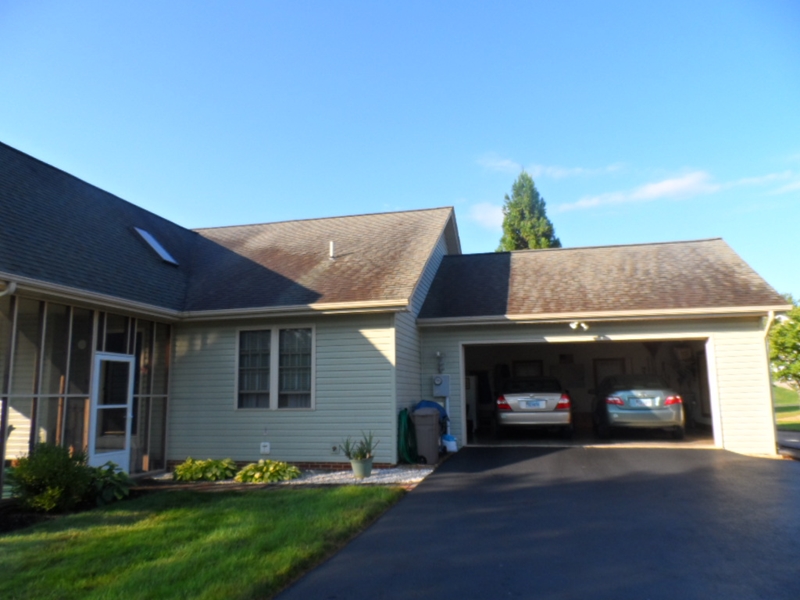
pixel 378 257
pixel 59 229
pixel 703 274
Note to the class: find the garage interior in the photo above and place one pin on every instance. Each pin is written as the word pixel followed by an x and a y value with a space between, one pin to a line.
pixel 580 367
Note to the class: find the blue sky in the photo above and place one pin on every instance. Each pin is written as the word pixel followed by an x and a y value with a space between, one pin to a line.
pixel 639 121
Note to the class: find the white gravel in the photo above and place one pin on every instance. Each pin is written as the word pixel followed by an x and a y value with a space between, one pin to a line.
pixel 396 475
pixel 401 475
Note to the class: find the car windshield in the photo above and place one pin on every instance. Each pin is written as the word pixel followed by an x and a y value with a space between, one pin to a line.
pixel 636 382
pixel 539 384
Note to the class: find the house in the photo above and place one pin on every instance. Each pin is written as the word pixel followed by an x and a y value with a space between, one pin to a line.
pixel 145 343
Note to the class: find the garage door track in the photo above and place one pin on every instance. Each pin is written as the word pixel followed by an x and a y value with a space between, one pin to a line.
pixel 580 523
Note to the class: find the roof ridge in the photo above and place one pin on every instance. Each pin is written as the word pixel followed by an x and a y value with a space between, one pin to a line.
pixel 597 247
pixel 331 218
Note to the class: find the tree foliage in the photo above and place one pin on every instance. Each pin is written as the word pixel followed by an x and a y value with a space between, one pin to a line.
pixel 784 346
pixel 525 222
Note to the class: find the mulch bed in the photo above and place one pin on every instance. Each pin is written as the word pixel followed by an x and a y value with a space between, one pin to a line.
pixel 13 517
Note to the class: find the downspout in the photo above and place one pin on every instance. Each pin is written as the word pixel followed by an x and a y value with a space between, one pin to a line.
pixel 11 287
pixel 770 321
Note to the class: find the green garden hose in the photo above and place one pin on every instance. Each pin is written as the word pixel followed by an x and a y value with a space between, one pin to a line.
pixel 406 438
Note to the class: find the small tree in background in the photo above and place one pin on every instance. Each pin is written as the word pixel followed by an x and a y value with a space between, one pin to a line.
pixel 784 347
pixel 525 222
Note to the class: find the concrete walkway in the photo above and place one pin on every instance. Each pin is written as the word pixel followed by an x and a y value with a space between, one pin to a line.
pixel 580 523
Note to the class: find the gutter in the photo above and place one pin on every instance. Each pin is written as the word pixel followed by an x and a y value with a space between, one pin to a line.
pixel 61 293
pixel 297 310
pixel 610 316
pixel 11 287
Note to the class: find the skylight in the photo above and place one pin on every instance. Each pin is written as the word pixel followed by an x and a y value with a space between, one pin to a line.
pixel 155 245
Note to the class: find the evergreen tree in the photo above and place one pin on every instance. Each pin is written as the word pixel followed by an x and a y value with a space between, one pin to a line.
pixel 525 222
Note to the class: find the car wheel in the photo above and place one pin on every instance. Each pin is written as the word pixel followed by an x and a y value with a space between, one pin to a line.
pixel 678 433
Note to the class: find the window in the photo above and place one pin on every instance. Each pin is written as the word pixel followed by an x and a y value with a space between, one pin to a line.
pixel 254 364
pixel 295 368
pixel 156 246
pixel 281 379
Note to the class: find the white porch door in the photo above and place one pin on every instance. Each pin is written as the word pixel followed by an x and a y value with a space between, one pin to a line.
pixel 111 416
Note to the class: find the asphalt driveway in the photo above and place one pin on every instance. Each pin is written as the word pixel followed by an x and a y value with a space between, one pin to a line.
pixel 580 523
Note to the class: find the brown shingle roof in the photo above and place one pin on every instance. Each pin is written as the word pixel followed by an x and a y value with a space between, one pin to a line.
pixel 379 257
pixel 704 274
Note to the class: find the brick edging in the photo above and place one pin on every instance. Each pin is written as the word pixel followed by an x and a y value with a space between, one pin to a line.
pixel 303 466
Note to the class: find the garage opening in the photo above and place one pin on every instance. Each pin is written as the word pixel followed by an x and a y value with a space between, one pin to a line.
pixel 580 369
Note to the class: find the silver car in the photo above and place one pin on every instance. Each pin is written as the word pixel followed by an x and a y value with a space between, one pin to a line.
pixel 642 401
pixel 534 401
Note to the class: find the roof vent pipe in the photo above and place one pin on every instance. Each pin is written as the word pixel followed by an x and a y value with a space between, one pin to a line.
pixel 332 253
pixel 11 287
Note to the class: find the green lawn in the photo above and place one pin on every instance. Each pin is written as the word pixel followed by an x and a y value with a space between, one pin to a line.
pixel 787 409
pixel 187 544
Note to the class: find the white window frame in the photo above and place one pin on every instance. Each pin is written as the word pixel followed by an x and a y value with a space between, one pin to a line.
pixel 274 366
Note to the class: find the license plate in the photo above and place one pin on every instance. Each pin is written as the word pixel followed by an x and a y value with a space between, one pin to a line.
pixel 648 402
pixel 534 404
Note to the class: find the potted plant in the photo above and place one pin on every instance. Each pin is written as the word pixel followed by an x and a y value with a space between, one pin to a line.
pixel 360 454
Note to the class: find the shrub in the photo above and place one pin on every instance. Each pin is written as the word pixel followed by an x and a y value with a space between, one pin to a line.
pixel 109 484
pixel 205 470
pixel 51 479
pixel 267 471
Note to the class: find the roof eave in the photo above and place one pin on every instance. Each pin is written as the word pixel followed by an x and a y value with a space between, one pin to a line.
pixel 295 310
pixel 59 293
pixel 634 315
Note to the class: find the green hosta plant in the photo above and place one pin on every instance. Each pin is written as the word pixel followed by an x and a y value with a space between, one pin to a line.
pixel 205 470
pixel 360 449
pixel 110 483
pixel 267 471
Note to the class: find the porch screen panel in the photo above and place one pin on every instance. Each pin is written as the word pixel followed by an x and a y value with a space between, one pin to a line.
pixel 19 422
pixel 295 369
pixel 161 359
pixel 76 424
pixel 144 354
pixel 49 413
pixel 116 333
pixel 80 358
pixel 158 428
pixel 23 379
pixel 5 341
pixel 54 356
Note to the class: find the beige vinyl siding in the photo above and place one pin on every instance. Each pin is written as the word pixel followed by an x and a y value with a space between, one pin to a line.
pixel 408 360
pixel 737 363
pixel 353 392
pixel 19 423
pixel 428 274
pixel 744 390
pixel 409 388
